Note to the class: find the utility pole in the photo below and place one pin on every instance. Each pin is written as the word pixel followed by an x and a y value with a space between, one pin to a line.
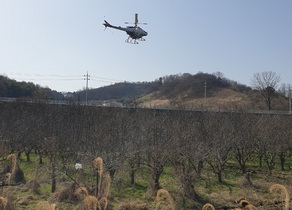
pixel 87 77
pixel 290 99
pixel 205 86
pixel 205 94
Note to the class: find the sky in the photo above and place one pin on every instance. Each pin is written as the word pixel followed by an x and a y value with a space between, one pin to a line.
pixel 54 43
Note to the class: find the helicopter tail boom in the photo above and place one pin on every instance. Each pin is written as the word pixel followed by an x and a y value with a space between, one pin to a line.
pixel 106 24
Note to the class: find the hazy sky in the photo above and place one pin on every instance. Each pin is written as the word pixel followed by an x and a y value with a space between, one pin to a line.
pixel 54 43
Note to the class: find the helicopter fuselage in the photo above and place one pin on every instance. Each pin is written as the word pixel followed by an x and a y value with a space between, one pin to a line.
pixel 134 32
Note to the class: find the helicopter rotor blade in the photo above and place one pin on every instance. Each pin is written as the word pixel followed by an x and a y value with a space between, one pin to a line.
pixel 136 19
pixel 136 23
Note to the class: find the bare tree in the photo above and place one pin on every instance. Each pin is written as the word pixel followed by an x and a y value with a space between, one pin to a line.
pixel 111 140
pixel 156 141
pixel 269 140
pixel 220 136
pixel 285 141
pixel 218 74
pixel 188 157
pixel 246 130
pixel 266 83
pixel 134 148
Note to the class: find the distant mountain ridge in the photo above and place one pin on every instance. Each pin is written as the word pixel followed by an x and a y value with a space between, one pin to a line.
pixel 180 90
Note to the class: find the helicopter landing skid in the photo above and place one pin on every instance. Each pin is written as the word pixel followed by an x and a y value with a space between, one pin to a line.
pixel 131 41
pixel 134 41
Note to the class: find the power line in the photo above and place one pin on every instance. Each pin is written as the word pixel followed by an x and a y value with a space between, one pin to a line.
pixel 103 78
pixel 57 77
pixel 43 75
pixel 34 79
pixel 23 76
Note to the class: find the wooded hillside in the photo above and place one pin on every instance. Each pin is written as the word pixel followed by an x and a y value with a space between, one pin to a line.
pixel 13 89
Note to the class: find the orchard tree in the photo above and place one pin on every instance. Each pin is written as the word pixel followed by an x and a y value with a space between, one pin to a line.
pixel 187 159
pixel 281 134
pixel 157 139
pixel 111 143
pixel 220 137
pixel 246 130
pixel 133 146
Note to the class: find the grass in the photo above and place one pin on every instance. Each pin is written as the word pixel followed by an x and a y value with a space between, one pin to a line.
pixel 228 192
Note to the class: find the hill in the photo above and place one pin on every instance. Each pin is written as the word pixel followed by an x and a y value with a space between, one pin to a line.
pixel 205 91
pixel 123 92
pixel 201 90
pixel 12 89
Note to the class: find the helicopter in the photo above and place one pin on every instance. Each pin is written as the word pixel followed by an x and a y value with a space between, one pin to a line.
pixel 135 32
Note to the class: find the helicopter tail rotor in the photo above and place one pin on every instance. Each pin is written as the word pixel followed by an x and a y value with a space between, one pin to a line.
pixel 106 24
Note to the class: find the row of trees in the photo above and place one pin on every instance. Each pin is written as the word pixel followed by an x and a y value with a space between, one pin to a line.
pixel 186 140
pixel 13 89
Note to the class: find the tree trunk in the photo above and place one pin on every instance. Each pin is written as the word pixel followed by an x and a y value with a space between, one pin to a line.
pixel 112 172
pixel 189 189
pixel 132 176
pixel 156 182
pixel 40 159
pixel 156 173
pixel 240 159
pixel 247 178
pixel 132 173
pixel 219 176
pixel 53 177
pixel 282 160
pixel 243 168
pixel 200 167
pixel 261 160
pixel 270 163
pixel 27 154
